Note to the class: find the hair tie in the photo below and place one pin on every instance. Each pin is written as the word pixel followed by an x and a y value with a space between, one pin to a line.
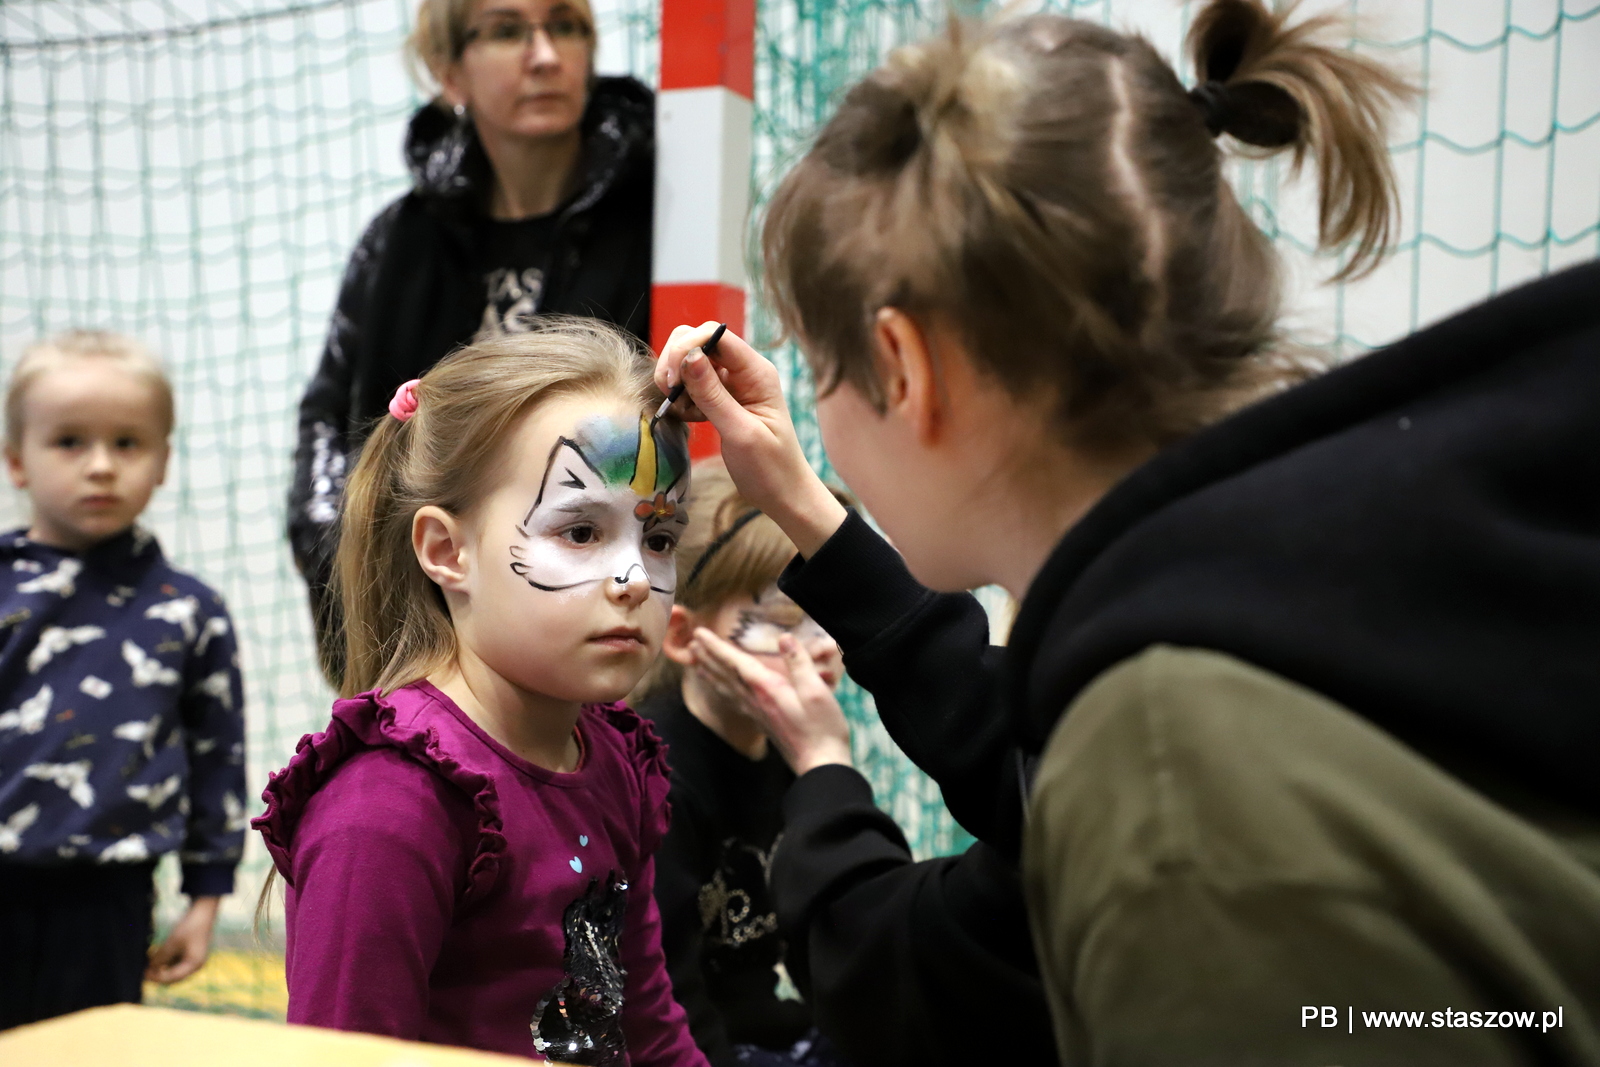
pixel 404 404
pixel 719 544
pixel 1212 99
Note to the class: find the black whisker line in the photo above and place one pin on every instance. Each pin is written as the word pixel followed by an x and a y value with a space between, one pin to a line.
pixel 548 588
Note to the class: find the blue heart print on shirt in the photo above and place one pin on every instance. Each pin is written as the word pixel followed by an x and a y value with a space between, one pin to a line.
pixel 575 863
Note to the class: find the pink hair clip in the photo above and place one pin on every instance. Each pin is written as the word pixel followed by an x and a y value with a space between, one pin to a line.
pixel 404 404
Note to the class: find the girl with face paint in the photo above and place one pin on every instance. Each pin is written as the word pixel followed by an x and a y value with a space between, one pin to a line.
pixel 468 848
pixel 718 918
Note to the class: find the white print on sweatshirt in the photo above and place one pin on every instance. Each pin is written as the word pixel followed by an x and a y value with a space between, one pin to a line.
pixel 158 794
pixel 215 626
pixel 130 849
pixel 147 670
pixel 12 829
pixel 238 818
pixel 141 732
pixel 180 612
pixel 56 639
pixel 218 687
pixel 61 580
pixel 29 716
pixel 73 777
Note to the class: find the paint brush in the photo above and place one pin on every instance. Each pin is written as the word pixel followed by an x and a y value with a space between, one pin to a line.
pixel 710 349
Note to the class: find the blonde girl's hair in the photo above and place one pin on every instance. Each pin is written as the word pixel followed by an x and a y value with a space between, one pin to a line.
pixel 64 348
pixel 449 455
pixel 750 553
pixel 440 35
pixel 1048 190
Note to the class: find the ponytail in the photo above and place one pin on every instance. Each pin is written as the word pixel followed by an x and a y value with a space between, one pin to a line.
pixel 1271 85
pixel 393 613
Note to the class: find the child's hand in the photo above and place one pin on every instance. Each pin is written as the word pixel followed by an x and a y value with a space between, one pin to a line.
pixel 742 397
pixel 795 705
pixel 186 946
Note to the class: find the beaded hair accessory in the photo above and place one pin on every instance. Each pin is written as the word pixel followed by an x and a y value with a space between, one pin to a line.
pixel 404 404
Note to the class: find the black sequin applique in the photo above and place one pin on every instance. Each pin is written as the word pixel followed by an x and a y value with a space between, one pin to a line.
pixel 580 1020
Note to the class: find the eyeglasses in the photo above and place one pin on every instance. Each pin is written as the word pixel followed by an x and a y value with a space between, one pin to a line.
pixel 508 34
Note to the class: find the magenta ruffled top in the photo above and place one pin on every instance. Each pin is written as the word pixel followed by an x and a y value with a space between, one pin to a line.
pixel 429 868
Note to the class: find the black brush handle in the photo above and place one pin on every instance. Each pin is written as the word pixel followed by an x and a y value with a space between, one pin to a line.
pixel 710 349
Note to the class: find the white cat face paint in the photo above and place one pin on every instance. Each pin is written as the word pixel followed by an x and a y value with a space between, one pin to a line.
pixel 769 617
pixel 610 508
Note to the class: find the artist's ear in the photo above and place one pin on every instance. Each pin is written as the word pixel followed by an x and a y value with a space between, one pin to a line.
pixel 910 375
pixel 680 631
pixel 439 540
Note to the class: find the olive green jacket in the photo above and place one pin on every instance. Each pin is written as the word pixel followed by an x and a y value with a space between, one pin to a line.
pixel 1223 867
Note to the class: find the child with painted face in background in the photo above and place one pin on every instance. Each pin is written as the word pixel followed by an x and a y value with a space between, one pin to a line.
pixel 124 734
pixel 719 927
pixel 468 846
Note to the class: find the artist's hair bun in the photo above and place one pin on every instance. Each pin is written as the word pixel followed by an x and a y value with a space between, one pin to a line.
pixel 877 136
pixel 1256 113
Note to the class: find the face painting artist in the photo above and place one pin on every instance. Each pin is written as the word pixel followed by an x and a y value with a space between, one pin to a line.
pixel 1300 692
pixel 533 185
pixel 468 848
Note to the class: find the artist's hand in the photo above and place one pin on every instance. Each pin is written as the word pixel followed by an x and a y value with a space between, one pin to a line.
pixel 187 945
pixel 796 706
pixel 741 395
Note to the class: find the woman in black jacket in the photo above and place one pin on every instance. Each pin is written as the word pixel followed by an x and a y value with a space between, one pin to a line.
pixel 534 186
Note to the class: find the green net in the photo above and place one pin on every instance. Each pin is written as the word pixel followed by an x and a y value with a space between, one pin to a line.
pixel 195 173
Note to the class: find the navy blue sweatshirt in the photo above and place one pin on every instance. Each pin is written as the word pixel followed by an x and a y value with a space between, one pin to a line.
pixel 121 712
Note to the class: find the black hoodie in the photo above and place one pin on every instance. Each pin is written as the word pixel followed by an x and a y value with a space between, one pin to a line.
pixel 413 290
pixel 1415 535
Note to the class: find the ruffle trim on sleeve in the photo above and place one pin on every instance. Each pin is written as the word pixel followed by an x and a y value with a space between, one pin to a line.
pixel 369 721
pixel 648 755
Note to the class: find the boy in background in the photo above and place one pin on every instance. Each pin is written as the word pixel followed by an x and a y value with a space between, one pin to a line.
pixel 719 926
pixel 121 706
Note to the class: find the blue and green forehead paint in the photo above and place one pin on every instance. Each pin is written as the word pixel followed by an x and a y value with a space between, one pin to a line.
pixel 645 456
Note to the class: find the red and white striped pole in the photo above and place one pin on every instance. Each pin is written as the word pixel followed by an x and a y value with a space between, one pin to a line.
pixel 703 116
